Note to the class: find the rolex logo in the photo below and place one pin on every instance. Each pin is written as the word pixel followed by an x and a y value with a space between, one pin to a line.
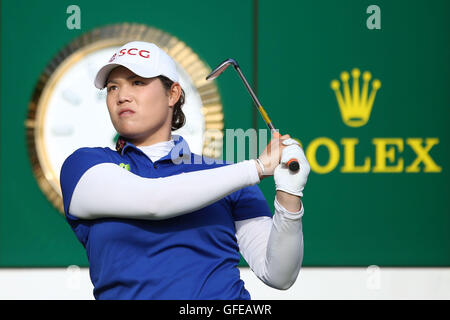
pixel 355 104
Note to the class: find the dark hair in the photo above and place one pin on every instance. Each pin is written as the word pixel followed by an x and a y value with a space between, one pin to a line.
pixel 178 117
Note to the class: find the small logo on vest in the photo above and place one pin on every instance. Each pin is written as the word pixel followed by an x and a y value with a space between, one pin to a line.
pixel 125 166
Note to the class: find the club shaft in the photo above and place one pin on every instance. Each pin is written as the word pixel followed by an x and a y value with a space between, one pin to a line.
pixel 256 101
pixel 293 164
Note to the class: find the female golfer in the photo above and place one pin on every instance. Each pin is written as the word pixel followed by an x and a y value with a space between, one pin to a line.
pixel 159 222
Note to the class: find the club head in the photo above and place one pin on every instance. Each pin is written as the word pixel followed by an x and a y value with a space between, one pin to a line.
pixel 221 68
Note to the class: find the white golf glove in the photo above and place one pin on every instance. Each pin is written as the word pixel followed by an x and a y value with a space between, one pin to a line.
pixel 287 181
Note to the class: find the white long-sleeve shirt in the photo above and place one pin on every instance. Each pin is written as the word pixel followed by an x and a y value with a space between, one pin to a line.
pixel 273 247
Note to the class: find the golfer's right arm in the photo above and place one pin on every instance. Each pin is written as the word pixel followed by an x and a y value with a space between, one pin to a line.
pixel 107 190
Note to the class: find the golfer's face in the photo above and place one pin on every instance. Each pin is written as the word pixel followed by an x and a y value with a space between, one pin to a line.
pixel 138 106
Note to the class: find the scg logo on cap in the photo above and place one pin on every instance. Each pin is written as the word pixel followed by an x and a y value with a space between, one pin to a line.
pixel 132 52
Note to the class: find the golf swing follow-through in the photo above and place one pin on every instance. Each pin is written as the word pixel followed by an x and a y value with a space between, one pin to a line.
pixel 291 163
pixel 156 228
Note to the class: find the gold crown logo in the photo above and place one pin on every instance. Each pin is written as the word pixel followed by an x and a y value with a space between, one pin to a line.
pixel 355 106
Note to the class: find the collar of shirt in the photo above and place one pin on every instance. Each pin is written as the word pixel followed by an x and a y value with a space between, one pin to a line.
pixel 177 147
pixel 158 150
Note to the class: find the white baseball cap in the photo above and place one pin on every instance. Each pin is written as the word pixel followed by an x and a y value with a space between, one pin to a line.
pixel 145 59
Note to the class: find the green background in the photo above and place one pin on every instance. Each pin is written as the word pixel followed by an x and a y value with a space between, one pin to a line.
pixel 290 51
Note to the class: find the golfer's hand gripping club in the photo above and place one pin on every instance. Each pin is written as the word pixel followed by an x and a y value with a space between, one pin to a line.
pixel 286 180
pixel 293 163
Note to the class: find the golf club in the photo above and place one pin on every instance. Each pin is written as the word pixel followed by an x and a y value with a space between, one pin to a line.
pixel 293 164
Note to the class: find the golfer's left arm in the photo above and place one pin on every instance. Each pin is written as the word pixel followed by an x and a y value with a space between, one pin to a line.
pixel 273 247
